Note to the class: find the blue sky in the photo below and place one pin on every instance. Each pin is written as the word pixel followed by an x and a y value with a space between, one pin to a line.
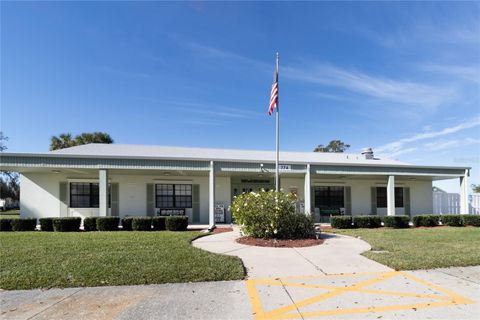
pixel 403 78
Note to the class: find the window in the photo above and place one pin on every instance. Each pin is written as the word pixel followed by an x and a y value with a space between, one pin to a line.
pixel 329 197
pixel 173 195
pixel 382 197
pixel 85 195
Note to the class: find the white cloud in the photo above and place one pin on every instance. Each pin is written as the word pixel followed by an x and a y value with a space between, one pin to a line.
pixel 397 147
pixel 382 88
pixel 471 73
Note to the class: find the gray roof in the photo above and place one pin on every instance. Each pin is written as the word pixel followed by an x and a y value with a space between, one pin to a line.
pixel 184 153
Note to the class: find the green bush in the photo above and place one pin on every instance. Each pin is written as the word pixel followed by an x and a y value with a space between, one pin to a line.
pixel 426 220
pixel 127 223
pixel 269 215
pixel 367 221
pixel 46 224
pixel 341 222
pixel 107 223
pixel 142 224
pixel 5 224
pixel 66 224
pixel 90 224
pixel 452 220
pixel 176 223
pixel 396 221
pixel 471 220
pixel 158 223
pixel 300 227
pixel 24 224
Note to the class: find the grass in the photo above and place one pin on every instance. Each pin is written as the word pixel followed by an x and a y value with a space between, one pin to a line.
pixel 418 248
pixel 11 214
pixel 53 259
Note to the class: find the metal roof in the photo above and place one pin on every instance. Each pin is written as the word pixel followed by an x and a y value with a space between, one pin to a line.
pixel 184 153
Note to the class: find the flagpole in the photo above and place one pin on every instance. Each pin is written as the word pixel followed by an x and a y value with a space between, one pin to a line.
pixel 277 122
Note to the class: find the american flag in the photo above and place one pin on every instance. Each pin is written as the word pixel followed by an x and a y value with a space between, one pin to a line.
pixel 274 94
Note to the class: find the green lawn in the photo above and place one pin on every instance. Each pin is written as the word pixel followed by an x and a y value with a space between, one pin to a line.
pixel 53 259
pixel 415 248
pixel 11 214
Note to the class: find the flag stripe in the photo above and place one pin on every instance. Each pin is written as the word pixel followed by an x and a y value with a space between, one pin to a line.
pixel 273 98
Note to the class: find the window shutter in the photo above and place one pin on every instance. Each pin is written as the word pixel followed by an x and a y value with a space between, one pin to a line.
pixel 150 200
pixel 374 200
pixel 63 197
pixel 406 200
pixel 348 200
pixel 196 203
pixel 114 200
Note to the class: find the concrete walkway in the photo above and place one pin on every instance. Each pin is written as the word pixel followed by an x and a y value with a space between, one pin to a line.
pixel 338 254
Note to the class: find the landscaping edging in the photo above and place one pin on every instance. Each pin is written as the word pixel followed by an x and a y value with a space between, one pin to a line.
pixel 279 243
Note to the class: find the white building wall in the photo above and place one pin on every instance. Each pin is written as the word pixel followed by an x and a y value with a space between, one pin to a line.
pixel 40 193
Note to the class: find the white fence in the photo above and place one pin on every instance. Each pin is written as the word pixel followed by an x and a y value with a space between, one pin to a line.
pixel 449 203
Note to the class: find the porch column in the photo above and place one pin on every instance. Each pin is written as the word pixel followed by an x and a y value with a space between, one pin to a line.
pixel 211 197
pixel 307 195
pixel 391 196
pixel 464 193
pixel 103 192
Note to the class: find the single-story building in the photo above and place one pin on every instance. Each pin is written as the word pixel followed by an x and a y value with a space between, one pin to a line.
pixel 141 180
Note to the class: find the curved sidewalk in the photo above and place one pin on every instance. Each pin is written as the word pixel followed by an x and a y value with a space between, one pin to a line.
pixel 338 254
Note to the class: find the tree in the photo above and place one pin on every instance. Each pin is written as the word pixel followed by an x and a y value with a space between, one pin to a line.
pixel 9 181
pixel 333 146
pixel 65 140
pixel 476 188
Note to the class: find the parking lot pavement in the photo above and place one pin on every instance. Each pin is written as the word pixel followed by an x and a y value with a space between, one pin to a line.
pixel 451 293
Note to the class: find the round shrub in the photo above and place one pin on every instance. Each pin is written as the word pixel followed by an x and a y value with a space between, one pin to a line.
pixel 396 221
pixel 158 223
pixel 142 223
pixel 46 224
pixel 107 223
pixel 269 215
pixel 24 224
pixel 367 221
pixel 176 223
pixel 452 220
pixel 5 224
pixel 127 223
pixel 471 220
pixel 426 220
pixel 341 222
pixel 90 224
pixel 66 224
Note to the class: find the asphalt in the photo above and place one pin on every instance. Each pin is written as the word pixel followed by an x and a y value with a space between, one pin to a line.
pixel 330 281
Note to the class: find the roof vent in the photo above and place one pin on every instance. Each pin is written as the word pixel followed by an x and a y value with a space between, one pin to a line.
pixel 367 153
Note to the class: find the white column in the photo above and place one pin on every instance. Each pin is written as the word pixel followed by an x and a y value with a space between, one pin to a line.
pixel 391 196
pixel 307 195
pixel 211 197
pixel 464 193
pixel 103 192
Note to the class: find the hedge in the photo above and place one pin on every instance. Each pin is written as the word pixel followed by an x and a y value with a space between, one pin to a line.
pixel 66 224
pixel 452 220
pixel 367 222
pixel 5 224
pixel 176 223
pixel 127 223
pixel 24 224
pixel 107 223
pixel 142 224
pixel 427 220
pixel 90 224
pixel 341 222
pixel 471 220
pixel 396 221
pixel 46 224
pixel 158 223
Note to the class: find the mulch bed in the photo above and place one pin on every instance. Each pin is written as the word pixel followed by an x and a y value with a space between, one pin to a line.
pixel 277 243
pixel 220 230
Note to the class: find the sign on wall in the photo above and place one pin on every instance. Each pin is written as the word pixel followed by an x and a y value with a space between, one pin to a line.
pixel 285 167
